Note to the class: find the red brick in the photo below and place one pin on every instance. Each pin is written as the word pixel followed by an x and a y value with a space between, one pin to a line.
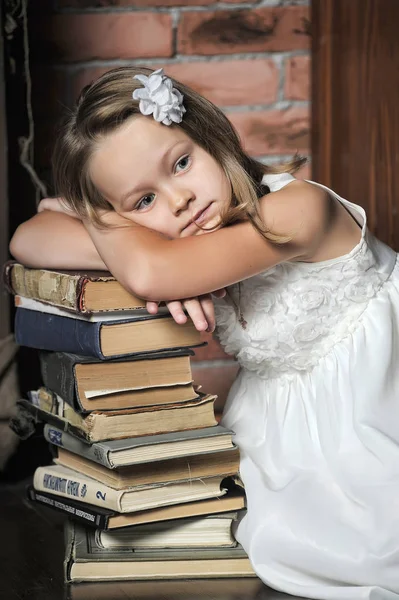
pixel 273 131
pixel 133 3
pixel 232 82
pixel 213 351
pixel 226 83
pixel 216 380
pixel 297 78
pixel 75 37
pixel 273 29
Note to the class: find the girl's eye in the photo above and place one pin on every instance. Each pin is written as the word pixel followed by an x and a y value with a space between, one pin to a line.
pixel 182 163
pixel 145 201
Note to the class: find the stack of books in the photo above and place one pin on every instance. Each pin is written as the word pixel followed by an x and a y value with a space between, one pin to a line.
pixel 147 476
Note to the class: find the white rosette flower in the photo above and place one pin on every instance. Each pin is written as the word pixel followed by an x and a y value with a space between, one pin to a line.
pixel 159 98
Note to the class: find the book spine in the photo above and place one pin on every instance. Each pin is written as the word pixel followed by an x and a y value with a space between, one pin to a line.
pixel 86 515
pixel 77 487
pixel 45 331
pixel 94 452
pixel 80 294
pixel 56 421
pixel 7 269
pixel 58 289
pixel 57 370
pixel 69 543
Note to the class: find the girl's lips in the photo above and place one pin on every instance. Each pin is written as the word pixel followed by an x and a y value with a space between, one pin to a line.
pixel 199 218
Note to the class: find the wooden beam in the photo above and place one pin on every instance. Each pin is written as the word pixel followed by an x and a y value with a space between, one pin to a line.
pixel 4 229
pixel 355 115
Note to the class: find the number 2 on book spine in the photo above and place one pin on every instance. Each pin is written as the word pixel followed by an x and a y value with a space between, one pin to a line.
pixel 100 495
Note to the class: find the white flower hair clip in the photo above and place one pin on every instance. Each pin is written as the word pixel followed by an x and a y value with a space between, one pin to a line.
pixel 159 98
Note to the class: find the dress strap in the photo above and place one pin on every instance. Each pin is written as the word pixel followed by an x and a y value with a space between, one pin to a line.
pixel 357 212
pixel 276 181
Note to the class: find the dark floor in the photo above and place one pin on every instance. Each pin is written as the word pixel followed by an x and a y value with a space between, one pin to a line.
pixel 31 557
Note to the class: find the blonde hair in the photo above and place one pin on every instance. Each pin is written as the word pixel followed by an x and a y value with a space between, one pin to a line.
pixel 107 103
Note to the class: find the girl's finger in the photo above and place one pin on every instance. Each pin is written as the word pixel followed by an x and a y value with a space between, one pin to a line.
pixel 220 293
pixel 209 311
pixel 176 309
pixel 152 307
pixel 194 308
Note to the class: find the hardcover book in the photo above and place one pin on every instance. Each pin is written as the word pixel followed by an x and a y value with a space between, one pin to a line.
pixel 88 384
pixel 144 449
pixel 230 588
pixel 67 483
pixel 199 532
pixel 77 291
pixel 109 315
pixel 110 425
pixel 108 520
pixel 102 340
pixel 175 469
pixel 86 561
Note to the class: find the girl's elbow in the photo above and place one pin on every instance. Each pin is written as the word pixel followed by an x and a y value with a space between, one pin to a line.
pixel 147 279
pixel 142 285
pixel 17 247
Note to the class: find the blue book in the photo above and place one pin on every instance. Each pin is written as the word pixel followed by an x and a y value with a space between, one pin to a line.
pixel 103 339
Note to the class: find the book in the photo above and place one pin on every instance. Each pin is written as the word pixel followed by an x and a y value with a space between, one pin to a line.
pixel 207 531
pixel 99 426
pixel 225 463
pixel 102 340
pixel 86 561
pixel 231 588
pixel 88 384
pixel 80 292
pixel 144 449
pixel 108 520
pixel 110 315
pixel 67 483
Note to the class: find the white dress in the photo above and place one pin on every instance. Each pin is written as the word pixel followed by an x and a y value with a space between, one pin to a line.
pixel 315 411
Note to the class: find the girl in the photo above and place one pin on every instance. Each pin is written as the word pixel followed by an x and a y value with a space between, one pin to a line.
pixel 158 190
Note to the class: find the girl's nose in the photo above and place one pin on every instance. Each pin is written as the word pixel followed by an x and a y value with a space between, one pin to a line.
pixel 179 200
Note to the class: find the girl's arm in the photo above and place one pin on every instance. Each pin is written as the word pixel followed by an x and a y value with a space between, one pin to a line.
pixel 54 240
pixel 153 267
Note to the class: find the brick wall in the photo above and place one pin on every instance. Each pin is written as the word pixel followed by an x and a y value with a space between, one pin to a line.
pixel 250 58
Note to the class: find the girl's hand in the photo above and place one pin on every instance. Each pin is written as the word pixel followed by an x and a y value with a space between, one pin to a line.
pixel 56 205
pixel 200 310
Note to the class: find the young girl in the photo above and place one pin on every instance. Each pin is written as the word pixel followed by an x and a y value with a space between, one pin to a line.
pixel 158 190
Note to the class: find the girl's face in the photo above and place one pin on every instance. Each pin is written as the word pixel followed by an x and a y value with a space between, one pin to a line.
pixel 158 177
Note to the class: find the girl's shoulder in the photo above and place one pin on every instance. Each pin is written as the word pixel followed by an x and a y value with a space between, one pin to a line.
pixel 296 209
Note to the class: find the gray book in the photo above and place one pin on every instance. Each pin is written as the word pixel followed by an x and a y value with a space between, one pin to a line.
pixel 86 560
pixel 149 448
